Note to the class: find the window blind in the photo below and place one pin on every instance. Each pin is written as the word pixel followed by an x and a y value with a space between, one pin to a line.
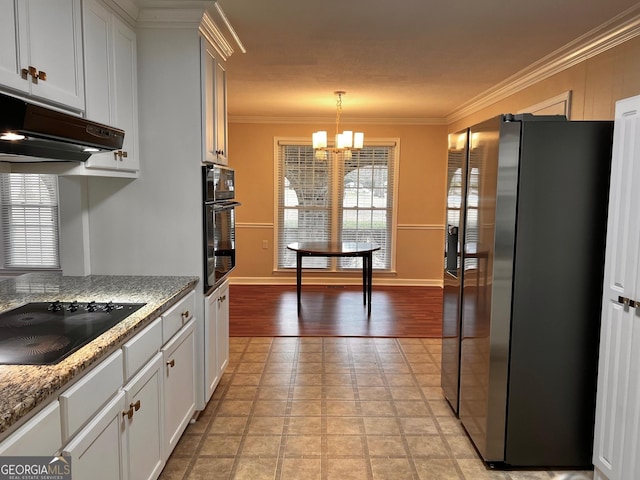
pixel 29 212
pixel 343 197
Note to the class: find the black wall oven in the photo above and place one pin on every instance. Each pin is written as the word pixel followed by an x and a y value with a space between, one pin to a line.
pixel 219 224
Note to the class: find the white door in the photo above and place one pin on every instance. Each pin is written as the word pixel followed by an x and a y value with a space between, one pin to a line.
pixel 616 430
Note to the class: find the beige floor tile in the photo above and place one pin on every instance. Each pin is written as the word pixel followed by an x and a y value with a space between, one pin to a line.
pixel 266 426
pixel 228 425
pixel 307 393
pixel 381 426
pixel 252 468
pixel 400 379
pixel 303 445
pixel 304 426
pixel 301 469
pixel 370 380
pixel 345 426
pixel 385 446
pixel 341 408
pixel 373 393
pixel 411 408
pixel 406 393
pixel 309 367
pixel 277 379
pixel 221 445
pixel 340 379
pixel 246 367
pixel 235 408
pixel 306 408
pixel 391 469
pixel 418 426
pixel 337 366
pixel 241 392
pixel 269 408
pixel 461 446
pixel 345 445
pixel 334 392
pixel 450 425
pixel 309 357
pixel 175 468
pixel 285 358
pixel 273 393
pixel 207 468
pixel 255 357
pixel 187 446
pixel 347 469
pixel 261 446
pixel 436 469
pixel 308 379
pixel 278 367
pixel 371 408
pixel 431 446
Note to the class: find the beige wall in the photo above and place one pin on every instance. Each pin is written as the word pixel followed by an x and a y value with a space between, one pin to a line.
pixel 595 85
pixel 421 185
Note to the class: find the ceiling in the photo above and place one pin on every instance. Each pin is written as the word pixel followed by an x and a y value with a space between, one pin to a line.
pixel 404 61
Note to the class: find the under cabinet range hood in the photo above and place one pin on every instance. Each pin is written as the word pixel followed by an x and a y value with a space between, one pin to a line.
pixel 33 133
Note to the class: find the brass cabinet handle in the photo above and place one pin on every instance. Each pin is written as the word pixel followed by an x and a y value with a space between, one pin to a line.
pixel 185 314
pixel 136 406
pixel 128 413
pixel 35 74
pixel 171 363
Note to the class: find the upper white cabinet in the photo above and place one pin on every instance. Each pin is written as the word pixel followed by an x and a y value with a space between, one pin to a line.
pixel 214 97
pixel 617 430
pixel 41 52
pixel 111 83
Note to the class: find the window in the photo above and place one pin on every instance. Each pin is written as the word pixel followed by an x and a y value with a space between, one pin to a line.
pixel 341 198
pixel 29 213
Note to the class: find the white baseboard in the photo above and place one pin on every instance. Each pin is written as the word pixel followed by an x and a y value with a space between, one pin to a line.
pixel 310 280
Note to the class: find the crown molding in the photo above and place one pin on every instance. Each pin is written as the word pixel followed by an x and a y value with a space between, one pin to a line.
pixel 328 120
pixel 610 34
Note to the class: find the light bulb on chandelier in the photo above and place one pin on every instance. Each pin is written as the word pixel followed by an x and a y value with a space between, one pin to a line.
pixel 345 141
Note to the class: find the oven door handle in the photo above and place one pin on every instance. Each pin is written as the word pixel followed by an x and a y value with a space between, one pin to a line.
pixel 225 205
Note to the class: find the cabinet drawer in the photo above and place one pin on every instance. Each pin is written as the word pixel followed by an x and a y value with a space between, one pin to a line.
pixel 141 348
pixel 42 435
pixel 177 316
pixel 84 399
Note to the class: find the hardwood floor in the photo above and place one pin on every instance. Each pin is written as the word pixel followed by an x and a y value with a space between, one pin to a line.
pixel 334 311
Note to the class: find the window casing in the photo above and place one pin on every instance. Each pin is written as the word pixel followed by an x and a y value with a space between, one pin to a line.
pixel 29 221
pixel 343 197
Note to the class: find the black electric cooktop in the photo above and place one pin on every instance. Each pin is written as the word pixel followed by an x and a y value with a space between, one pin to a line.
pixel 45 333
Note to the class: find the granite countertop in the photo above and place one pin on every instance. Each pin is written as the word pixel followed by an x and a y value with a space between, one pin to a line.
pixel 25 388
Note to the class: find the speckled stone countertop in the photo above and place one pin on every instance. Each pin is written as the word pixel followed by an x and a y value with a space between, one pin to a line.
pixel 24 388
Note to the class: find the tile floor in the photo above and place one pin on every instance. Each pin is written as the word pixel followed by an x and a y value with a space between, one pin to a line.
pixel 331 408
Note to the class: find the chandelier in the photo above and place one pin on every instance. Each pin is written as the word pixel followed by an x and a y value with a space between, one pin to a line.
pixel 345 141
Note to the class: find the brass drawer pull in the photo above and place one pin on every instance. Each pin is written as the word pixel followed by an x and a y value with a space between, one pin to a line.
pixel 171 363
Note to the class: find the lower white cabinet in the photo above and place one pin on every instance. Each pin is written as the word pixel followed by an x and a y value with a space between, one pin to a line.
pixel 179 384
pixel 144 422
pixel 216 334
pixel 42 435
pixel 98 450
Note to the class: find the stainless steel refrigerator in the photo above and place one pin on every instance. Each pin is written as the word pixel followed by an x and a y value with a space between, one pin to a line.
pixel 531 268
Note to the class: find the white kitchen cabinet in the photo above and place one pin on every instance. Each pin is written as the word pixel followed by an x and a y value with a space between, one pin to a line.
pixel 179 385
pixel 98 451
pixel 177 316
pixel 216 331
pixel 214 111
pixel 144 422
pixel 41 53
pixel 80 403
pixel 42 435
pixel 111 83
pixel 617 429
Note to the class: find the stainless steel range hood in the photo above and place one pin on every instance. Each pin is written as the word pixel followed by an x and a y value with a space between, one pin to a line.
pixel 33 133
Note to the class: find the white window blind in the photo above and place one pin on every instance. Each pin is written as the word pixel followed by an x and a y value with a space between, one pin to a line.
pixel 340 198
pixel 29 212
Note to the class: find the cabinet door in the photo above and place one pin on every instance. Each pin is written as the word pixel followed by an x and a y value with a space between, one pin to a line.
pixel 221 113
pixel 208 67
pixel 126 96
pixel 618 371
pixel 214 109
pixel 222 329
pixel 110 56
pixel 51 42
pixel 179 385
pixel 211 372
pixel 143 398
pixel 10 63
pixel 42 435
pixel 97 452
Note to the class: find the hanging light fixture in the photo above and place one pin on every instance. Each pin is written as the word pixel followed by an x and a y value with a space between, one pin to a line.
pixel 345 141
